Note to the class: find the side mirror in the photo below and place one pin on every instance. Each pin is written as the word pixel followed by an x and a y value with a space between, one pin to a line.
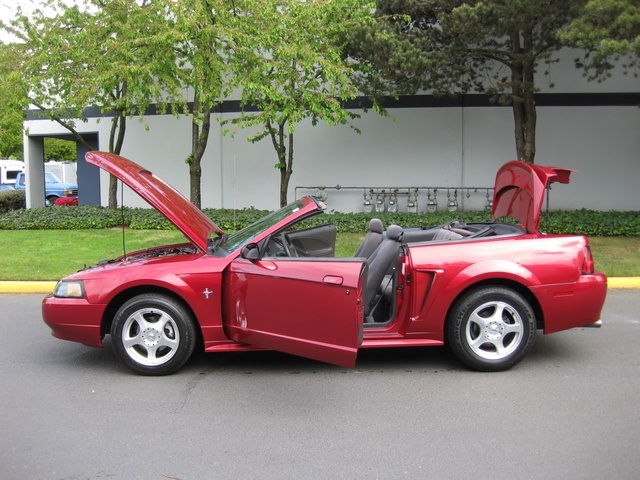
pixel 250 252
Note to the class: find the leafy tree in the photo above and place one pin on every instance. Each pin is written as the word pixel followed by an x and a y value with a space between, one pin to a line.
pixel 445 46
pixel 289 64
pixel 202 37
pixel 59 150
pixel 12 116
pixel 607 30
pixel 113 56
pixel 11 133
pixel 13 104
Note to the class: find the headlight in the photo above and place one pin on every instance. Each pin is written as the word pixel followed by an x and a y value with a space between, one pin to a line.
pixel 69 289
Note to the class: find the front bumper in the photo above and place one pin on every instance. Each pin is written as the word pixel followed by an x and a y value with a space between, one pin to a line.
pixel 73 319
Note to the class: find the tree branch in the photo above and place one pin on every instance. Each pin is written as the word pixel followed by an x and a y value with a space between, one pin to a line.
pixel 76 135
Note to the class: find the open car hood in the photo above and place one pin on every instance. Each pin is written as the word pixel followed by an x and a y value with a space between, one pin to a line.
pixel 190 220
pixel 520 189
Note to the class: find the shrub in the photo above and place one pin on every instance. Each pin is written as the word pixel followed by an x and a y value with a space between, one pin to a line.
pixel 585 222
pixel 592 223
pixel 55 218
pixel 12 200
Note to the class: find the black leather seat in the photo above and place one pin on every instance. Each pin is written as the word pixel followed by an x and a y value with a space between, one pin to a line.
pixel 381 262
pixel 372 240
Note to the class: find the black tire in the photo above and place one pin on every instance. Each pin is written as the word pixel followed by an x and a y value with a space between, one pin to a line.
pixel 153 334
pixel 491 328
pixel 50 200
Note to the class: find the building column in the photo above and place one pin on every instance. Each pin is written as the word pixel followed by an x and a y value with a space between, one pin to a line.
pixel 34 171
pixel 88 175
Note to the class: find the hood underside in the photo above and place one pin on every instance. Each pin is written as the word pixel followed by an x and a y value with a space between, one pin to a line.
pixel 187 218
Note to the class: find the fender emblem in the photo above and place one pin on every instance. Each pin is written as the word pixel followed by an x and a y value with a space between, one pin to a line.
pixel 206 293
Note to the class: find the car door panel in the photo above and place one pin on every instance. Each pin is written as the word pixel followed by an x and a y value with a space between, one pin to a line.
pixel 315 242
pixel 306 307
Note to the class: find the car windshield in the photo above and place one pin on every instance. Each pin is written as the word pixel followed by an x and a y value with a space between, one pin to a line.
pixel 51 178
pixel 230 243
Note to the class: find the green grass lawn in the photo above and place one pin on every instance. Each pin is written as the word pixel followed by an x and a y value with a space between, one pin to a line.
pixel 617 256
pixel 53 254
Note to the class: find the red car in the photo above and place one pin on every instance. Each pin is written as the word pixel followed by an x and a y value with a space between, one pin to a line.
pixel 483 288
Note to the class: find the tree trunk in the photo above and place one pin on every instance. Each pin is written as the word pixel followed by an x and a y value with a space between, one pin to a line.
pixel 116 140
pixel 195 176
pixel 518 117
pixel 529 101
pixel 285 164
pixel 522 97
pixel 285 173
pixel 199 140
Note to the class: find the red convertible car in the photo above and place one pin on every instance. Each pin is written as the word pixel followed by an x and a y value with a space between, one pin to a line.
pixel 482 288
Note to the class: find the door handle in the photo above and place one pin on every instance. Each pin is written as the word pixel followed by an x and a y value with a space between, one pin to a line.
pixel 333 280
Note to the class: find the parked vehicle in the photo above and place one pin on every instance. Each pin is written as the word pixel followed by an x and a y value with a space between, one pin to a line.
pixel 9 170
pixel 65 171
pixel 483 288
pixel 53 187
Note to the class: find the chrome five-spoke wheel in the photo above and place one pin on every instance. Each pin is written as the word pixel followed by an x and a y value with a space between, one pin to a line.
pixel 150 336
pixel 491 328
pixel 153 334
pixel 494 330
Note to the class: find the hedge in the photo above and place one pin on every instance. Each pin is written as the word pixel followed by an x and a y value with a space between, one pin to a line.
pixel 586 222
pixel 11 200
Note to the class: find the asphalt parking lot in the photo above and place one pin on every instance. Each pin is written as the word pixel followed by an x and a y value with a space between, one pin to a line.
pixel 570 410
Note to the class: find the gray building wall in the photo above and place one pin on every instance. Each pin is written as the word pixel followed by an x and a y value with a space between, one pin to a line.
pixel 581 126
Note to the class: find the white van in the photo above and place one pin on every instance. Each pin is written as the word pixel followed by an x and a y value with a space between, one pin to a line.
pixel 9 169
pixel 65 171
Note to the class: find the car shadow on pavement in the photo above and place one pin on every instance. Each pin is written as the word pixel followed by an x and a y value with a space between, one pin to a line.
pixel 571 347
pixel 548 351
pixel 391 359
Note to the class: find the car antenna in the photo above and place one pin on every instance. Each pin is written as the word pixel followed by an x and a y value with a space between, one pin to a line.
pixel 124 246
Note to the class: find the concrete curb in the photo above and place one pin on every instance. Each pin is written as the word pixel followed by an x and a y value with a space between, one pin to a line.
pixel 7 286
pixel 26 287
pixel 623 282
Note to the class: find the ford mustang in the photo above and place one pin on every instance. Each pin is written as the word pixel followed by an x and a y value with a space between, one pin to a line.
pixel 485 289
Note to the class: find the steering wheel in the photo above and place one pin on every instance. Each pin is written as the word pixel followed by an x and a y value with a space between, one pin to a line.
pixel 288 247
pixel 280 246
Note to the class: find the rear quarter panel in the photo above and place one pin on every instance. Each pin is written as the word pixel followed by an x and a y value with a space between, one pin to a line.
pixel 540 263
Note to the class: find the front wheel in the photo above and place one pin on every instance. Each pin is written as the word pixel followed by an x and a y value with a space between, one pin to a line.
pixel 153 334
pixel 491 328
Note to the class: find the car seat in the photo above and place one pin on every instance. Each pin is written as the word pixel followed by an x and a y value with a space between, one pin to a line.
pixel 372 240
pixel 382 261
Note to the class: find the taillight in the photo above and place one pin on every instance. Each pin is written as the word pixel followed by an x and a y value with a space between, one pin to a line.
pixel 587 261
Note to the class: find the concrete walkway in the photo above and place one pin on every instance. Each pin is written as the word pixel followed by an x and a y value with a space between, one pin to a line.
pixel 7 286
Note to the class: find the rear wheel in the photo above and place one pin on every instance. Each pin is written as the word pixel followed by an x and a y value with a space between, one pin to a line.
pixel 491 328
pixel 153 334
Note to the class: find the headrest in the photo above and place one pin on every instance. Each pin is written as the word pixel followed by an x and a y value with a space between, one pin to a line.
pixel 375 225
pixel 394 232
